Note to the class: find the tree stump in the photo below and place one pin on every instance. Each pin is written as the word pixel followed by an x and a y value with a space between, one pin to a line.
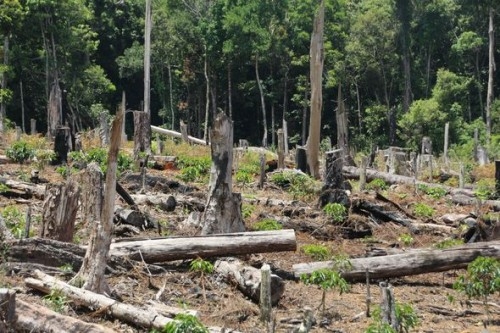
pixel 223 209
pixel 7 310
pixel 62 144
pixel 91 199
pixel 142 133
pixel 104 129
pixel 59 210
pixel 333 178
pixel 301 159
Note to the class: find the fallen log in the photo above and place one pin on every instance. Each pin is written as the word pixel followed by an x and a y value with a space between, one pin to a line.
pixel 147 318
pixel 248 279
pixel 26 190
pixel 413 263
pixel 175 134
pixel 175 248
pixel 38 319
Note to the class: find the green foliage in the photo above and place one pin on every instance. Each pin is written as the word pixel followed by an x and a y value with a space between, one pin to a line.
pixel 247 210
pixel 20 151
pixel 297 184
pixel 185 323
pixel 201 266
pixel 481 280
pixel 432 191
pixel 193 168
pixel 243 177
pixel 326 279
pixel 100 156
pixel 3 188
pixel 56 300
pixel 485 189
pixel 337 212
pixel 447 243
pixel 66 268
pixel 406 317
pixel 406 239
pixel 267 224
pixel 43 158
pixel 14 220
pixel 377 184
pixel 423 210
pixel 317 252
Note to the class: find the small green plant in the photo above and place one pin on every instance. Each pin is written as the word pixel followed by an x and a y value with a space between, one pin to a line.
pixel 243 177
pixel 317 252
pixel 485 189
pixel 247 210
pixel 185 323
pixel 203 268
pixel 193 168
pixel 3 188
pixel 447 243
pixel 337 212
pixel 267 224
pixel 14 220
pixel 423 210
pixel 432 191
pixel 405 315
pixel 481 280
pixel 64 171
pixel 406 239
pixel 56 300
pixel 326 279
pixel 20 151
pixel 43 158
pixel 377 184
pixel 299 185
pixel 66 268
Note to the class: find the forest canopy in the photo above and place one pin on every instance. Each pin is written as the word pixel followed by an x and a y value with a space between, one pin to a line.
pixel 406 67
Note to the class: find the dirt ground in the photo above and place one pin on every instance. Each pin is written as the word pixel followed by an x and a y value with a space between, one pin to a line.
pixel 220 303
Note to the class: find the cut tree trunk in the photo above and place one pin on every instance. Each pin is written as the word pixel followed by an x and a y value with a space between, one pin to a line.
pixel 223 209
pixel 7 309
pixel 248 279
pixel 142 134
pixel 38 319
pixel 27 190
pixel 59 210
pixel 91 198
pixel 167 249
pixel 91 274
pixel 413 263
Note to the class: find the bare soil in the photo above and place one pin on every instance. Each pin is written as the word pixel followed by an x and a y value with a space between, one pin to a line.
pixel 220 303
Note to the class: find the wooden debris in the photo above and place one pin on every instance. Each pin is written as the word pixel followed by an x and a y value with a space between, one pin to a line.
pixel 25 190
pixel 248 279
pixel 413 263
pixel 175 248
pixel 7 309
pixel 38 319
pixel 175 134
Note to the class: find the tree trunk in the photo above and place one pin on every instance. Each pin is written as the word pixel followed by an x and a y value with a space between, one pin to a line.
pixel 177 248
pixel 170 93
pixel 91 274
pixel 142 134
pixel 91 198
pixel 413 263
pixel 262 102
pixel 229 90
pixel 404 14
pixel 38 319
pixel 491 71
pixel 316 69
pixel 59 211
pixel 223 209
pixel 207 95
pixel 3 83
pixel 342 127
pixel 177 135
pixel 147 58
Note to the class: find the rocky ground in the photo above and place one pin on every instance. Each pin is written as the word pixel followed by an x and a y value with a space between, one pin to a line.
pixel 439 307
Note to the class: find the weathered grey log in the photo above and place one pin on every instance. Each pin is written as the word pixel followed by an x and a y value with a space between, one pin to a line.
pixel 361 206
pixel 248 279
pixel 91 198
pixel 222 212
pixel 133 217
pixel 59 210
pixel 177 135
pixel 413 263
pixel 38 319
pixel 161 200
pixel 147 318
pixel 27 189
pixel 175 248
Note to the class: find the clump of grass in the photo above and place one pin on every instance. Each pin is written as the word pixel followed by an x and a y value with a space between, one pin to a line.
pixel 377 184
pixel 266 225
pixel 423 210
pixel 317 252
pixel 337 212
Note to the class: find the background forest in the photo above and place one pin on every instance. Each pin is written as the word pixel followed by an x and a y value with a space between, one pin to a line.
pixel 404 67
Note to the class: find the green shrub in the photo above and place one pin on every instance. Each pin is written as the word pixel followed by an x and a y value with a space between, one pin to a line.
pixel 56 300
pixel 243 177
pixel 377 184
pixel 185 323
pixel 447 243
pixel 20 151
pixel 193 168
pixel 485 189
pixel 267 224
pixel 44 157
pixel 326 279
pixel 247 210
pixel 423 210
pixel 432 191
pixel 406 239
pixel 317 252
pixel 405 315
pixel 14 220
pixel 337 212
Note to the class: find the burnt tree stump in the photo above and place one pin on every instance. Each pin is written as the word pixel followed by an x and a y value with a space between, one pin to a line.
pixel 142 133
pixel 59 210
pixel 223 208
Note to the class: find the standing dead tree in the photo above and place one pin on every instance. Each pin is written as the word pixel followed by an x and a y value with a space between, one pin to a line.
pixel 91 274
pixel 223 208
